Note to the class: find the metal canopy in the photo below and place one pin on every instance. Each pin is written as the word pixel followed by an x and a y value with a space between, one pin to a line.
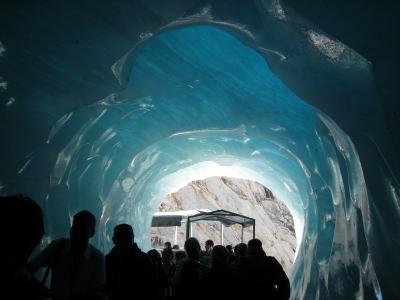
pixel 176 218
pixel 225 217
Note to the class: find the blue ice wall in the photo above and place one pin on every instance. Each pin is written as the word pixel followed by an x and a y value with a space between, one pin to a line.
pixel 112 108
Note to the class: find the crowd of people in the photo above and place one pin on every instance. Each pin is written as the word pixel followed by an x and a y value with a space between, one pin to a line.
pixel 77 270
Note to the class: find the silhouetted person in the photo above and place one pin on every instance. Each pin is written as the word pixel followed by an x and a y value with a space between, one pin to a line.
pixel 21 229
pixel 240 257
pixel 221 281
pixel 231 255
pixel 161 279
pixel 168 266
pixel 209 247
pixel 167 256
pixel 77 268
pixel 175 247
pixel 179 256
pixel 190 272
pixel 205 258
pixel 265 274
pixel 130 274
pixel 167 245
pixel 240 250
pixel 155 257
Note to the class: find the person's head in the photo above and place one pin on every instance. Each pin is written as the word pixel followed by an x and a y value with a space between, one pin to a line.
pixel 83 228
pixel 209 245
pixel 175 247
pixel 167 255
pixel 167 245
pixel 254 247
pixel 192 248
pixel 219 256
pixel 179 255
pixel 155 257
pixel 123 236
pixel 229 248
pixel 241 250
pixel 21 227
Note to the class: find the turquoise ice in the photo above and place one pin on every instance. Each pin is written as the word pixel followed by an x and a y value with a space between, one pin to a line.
pixel 285 105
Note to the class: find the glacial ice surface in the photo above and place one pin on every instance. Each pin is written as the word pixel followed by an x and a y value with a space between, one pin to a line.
pixel 198 101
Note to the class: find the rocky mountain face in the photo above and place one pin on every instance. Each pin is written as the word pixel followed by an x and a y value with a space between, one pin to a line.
pixel 274 222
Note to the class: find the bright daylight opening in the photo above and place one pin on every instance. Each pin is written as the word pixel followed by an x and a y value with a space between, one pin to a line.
pixel 275 225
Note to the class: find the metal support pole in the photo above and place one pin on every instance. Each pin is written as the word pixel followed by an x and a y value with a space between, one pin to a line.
pixel 242 232
pixel 188 227
pixel 222 233
pixel 254 229
pixel 176 235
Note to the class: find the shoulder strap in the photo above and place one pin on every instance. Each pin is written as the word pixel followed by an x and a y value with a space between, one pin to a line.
pixel 50 266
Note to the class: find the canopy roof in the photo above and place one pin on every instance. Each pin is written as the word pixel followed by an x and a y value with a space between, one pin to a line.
pixel 176 218
pixel 227 218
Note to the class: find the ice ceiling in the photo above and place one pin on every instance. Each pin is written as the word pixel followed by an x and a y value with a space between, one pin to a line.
pixel 112 107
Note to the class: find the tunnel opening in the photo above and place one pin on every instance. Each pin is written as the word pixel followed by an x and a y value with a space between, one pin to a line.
pixel 275 225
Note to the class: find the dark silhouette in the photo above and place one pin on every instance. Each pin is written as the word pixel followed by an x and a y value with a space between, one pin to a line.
pixel 221 281
pixel 168 265
pixel 21 225
pixel 155 257
pixel 190 272
pixel 240 257
pixel 161 280
pixel 240 250
pixel 205 258
pixel 264 275
pixel 78 268
pixel 167 245
pixel 209 247
pixel 231 254
pixel 168 262
pixel 179 256
pixel 130 273
pixel 175 247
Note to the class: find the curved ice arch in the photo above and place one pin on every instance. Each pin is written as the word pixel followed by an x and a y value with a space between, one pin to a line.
pixel 210 115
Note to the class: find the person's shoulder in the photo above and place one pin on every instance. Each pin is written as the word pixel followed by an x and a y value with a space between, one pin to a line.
pixel 142 256
pixel 111 254
pixel 59 241
pixel 95 253
pixel 273 262
pixel 271 259
pixel 55 245
pixel 139 256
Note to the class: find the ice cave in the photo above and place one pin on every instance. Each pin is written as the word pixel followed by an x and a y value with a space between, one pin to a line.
pixel 111 106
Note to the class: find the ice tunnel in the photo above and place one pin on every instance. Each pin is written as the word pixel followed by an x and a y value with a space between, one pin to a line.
pixel 111 107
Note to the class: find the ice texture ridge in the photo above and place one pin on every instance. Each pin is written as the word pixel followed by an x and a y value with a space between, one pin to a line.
pixel 190 97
